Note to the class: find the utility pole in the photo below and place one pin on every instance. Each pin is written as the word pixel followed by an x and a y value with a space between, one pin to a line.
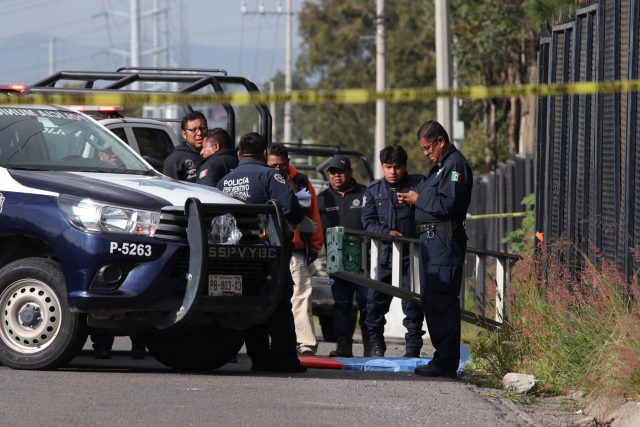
pixel 380 84
pixel 287 74
pixel 135 52
pixel 443 63
pixel 134 19
pixel 272 107
pixel 52 55
pixel 288 120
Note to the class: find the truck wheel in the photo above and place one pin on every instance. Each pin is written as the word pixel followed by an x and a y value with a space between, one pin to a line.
pixel 326 325
pixel 37 329
pixel 200 349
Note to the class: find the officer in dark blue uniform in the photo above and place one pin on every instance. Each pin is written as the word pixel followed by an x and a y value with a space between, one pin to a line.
pixel 441 205
pixel 255 182
pixel 383 214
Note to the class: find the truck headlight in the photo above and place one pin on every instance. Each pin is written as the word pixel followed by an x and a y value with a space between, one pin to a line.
pixel 92 215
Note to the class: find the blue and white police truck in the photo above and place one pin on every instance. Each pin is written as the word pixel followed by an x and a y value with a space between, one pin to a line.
pixel 93 239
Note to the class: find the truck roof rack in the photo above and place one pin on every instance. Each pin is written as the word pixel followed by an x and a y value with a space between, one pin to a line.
pixel 169 69
pixel 327 151
pixel 123 80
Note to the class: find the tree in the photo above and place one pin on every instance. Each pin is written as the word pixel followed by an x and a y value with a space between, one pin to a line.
pixel 338 51
pixel 495 44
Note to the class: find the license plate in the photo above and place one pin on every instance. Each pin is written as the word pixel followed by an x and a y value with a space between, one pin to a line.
pixel 225 285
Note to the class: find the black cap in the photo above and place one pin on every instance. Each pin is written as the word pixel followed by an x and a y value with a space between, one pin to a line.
pixel 339 162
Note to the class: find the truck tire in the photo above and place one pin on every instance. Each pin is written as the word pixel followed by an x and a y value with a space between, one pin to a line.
pixel 37 329
pixel 201 349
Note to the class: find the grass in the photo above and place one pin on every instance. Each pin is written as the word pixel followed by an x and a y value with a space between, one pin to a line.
pixel 573 331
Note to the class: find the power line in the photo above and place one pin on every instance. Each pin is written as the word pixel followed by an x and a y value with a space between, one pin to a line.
pixel 22 6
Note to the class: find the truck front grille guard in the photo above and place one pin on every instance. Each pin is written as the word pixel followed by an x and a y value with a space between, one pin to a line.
pixel 191 226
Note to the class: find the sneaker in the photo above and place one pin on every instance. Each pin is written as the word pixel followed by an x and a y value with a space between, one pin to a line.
pixel 412 353
pixel 306 351
pixel 431 370
pixel 377 350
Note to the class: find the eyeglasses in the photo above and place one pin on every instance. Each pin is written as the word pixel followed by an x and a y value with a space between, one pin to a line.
pixel 279 165
pixel 333 171
pixel 427 147
pixel 202 129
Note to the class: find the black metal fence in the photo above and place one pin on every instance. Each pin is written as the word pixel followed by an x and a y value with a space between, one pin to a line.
pixel 587 151
pixel 499 192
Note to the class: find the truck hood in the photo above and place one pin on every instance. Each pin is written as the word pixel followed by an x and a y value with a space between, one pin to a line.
pixel 144 192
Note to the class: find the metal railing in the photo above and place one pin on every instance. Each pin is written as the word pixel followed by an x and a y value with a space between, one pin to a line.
pixel 371 244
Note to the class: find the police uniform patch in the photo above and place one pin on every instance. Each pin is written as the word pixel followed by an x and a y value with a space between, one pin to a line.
pixel 279 178
pixel 203 173
pixel 355 203
pixel 456 177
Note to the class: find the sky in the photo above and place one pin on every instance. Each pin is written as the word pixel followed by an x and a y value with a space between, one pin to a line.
pixel 92 34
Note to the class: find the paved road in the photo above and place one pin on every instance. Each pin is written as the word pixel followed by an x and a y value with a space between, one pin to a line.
pixel 122 391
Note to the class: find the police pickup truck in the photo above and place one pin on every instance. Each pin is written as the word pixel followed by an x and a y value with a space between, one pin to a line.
pixel 92 238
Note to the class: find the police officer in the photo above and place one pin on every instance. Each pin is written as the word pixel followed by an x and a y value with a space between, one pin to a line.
pixel 383 214
pixel 255 182
pixel 219 155
pixel 183 163
pixel 441 205
pixel 341 205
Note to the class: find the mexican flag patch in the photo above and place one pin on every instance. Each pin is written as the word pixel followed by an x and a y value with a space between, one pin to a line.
pixel 203 173
pixel 456 177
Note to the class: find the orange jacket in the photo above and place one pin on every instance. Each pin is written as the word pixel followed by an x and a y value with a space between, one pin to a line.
pixel 316 238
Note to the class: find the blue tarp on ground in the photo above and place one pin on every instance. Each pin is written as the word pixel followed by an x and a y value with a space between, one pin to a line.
pixel 394 364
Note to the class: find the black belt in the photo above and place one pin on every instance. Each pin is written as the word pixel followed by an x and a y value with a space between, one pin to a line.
pixel 433 226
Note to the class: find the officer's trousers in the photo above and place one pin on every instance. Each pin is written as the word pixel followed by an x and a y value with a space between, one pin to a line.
pixel 441 278
pixel 280 327
pixel 378 306
pixel 343 321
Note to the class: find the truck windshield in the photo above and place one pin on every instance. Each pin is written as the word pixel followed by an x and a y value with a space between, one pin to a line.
pixel 49 138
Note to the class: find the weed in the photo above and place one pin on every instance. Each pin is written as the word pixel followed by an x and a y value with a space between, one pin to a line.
pixel 571 330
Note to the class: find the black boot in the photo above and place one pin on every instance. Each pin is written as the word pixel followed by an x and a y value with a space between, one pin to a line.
pixel 412 353
pixel 366 343
pixel 377 350
pixel 343 349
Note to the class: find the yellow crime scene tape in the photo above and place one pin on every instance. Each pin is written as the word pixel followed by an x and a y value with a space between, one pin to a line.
pixel 310 97
pixel 497 215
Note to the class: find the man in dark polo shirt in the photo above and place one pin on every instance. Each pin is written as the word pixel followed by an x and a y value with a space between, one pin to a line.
pixel 341 205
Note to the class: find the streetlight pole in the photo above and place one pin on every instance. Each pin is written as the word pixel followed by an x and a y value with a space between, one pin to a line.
pixel 380 83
